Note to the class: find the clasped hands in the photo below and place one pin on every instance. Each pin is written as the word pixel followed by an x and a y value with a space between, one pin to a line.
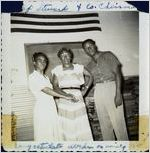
pixel 72 98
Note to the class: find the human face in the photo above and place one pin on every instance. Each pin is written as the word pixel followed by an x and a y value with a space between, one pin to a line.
pixel 65 58
pixel 40 63
pixel 90 49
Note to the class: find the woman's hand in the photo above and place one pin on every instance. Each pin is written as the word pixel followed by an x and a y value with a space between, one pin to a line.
pixel 71 97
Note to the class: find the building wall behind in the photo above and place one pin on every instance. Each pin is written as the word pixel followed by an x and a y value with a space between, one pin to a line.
pixel 119 34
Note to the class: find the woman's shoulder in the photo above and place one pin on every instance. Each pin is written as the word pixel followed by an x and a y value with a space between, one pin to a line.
pixel 78 67
pixel 56 69
pixel 33 74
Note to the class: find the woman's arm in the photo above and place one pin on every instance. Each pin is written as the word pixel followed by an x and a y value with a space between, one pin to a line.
pixel 54 93
pixel 59 90
pixel 87 73
pixel 56 86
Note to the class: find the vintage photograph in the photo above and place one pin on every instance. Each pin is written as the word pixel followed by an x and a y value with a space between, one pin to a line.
pixel 74 76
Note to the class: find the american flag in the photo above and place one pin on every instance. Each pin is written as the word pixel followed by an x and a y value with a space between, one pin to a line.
pixel 55 23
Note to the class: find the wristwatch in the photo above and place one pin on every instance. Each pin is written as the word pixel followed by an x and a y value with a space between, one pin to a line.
pixel 86 87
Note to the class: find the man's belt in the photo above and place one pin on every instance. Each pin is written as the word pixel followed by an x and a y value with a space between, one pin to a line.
pixel 104 81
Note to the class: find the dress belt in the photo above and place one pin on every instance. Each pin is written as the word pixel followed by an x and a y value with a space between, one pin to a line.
pixel 71 88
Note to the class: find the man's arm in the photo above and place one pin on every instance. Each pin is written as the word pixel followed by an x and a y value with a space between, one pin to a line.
pixel 87 73
pixel 118 80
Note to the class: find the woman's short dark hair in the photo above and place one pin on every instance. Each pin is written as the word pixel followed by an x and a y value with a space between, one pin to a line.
pixel 88 40
pixel 36 55
pixel 62 50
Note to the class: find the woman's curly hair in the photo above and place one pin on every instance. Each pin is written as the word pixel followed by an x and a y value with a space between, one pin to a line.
pixel 62 50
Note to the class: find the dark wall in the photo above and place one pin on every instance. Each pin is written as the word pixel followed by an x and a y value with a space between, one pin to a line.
pixel 51 51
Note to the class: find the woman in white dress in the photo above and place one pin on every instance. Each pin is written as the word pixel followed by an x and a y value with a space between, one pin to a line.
pixel 73 116
pixel 46 125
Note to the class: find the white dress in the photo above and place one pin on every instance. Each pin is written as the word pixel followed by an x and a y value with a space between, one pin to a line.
pixel 73 116
pixel 46 125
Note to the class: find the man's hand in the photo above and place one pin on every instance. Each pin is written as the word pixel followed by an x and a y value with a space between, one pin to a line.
pixel 118 99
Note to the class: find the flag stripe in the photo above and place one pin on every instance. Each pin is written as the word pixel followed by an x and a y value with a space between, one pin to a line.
pixel 55 30
pixel 56 16
pixel 41 27
pixel 55 23
pixel 53 20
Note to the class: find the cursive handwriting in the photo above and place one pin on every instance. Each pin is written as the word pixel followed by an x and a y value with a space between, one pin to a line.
pixel 114 5
pixel 45 146
pixel 91 6
pixel 51 7
pixel 79 7
pixel 80 146
pixel 28 8
pixel 108 5
pixel 115 146
pixel 64 7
